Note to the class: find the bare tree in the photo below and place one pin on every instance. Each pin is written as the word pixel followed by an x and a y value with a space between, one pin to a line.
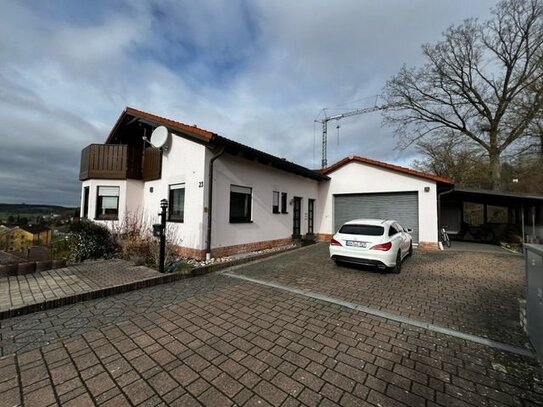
pixel 452 157
pixel 483 81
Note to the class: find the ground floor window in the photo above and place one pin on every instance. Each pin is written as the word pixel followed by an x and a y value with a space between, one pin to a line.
pixel 107 203
pixel 240 204
pixel 86 202
pixel 284 202
pixel 176 210
pixel 275 201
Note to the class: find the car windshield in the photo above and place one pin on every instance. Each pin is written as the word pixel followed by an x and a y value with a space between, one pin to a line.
pixel 367 230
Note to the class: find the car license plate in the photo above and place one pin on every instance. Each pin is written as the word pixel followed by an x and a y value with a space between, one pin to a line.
pixel 354 243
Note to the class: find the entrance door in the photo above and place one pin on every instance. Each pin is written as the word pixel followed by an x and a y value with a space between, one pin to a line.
pixel 310 215
pixel 296 233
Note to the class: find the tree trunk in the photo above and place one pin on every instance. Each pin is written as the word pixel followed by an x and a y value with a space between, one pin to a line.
pixel 495 169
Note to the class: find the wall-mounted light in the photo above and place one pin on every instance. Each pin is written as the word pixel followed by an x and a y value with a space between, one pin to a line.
pixel 426 189
pixel 291 201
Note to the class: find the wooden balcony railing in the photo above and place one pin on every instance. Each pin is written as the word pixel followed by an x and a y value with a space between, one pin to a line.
pixel 119 161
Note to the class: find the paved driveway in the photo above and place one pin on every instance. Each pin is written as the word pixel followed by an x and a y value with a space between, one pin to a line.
pixel 473 292
pixel 216 340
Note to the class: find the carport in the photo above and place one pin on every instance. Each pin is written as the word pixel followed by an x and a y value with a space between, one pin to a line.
pixel 521 214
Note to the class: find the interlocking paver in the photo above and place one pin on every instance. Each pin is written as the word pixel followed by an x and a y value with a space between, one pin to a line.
pixel 471 292
pixel 218 341
pixel 17 291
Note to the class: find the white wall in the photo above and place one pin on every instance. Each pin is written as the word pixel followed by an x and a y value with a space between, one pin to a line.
pixel 263 180
pixel 183 163
pixel 129 197
pixel 356 177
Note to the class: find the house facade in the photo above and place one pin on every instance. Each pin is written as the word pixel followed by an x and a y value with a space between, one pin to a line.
pixel 225 197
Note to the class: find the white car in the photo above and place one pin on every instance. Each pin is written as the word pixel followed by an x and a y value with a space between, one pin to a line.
pixel 372 242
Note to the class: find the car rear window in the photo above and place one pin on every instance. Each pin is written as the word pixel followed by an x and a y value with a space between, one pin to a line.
pixel 367 230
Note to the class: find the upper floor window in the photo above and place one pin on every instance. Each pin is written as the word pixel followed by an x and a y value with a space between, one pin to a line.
pixel 176 209
pixel 240 204
pixel 107 203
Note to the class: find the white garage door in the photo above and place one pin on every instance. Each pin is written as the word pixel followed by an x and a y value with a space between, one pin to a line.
pixel 400 206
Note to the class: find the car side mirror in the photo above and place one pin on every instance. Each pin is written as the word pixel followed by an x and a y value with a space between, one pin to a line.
pixel 409 230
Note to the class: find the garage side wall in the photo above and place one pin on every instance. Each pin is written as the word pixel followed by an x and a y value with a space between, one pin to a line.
pixel 359 178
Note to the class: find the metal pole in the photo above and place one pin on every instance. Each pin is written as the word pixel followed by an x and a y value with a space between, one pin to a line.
pixel 163 207
pixel 522 217
pixel 533 225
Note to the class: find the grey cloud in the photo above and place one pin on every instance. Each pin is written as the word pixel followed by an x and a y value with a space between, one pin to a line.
pixel 258 72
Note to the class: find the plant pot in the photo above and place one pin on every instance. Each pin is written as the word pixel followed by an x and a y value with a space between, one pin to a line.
pixel 42 265
pixel 26 267
pixel 58 263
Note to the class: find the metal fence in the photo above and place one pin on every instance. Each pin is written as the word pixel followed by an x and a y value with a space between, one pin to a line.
pixel 534 295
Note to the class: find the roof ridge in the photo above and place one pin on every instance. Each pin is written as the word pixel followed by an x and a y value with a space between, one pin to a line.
pixel 382 164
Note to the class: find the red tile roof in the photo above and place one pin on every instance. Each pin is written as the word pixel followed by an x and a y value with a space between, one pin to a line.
pixel 172 124
pixel 380 164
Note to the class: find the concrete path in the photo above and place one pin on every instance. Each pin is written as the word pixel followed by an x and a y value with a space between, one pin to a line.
pixel 221 341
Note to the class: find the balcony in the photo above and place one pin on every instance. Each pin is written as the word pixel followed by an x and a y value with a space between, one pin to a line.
pixel 120 161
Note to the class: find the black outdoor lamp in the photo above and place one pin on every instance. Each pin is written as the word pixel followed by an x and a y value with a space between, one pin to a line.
pixel 160 231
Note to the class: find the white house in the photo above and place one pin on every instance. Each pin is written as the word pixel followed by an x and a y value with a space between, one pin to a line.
pixel 225 197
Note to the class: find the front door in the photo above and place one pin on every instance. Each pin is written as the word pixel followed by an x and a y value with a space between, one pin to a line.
pixel 310 216
pixel 297 217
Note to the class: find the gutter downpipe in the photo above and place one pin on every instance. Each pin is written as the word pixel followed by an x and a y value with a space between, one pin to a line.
pixel 210 202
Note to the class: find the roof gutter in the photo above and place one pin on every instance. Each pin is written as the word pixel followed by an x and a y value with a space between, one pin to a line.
pixel 210 202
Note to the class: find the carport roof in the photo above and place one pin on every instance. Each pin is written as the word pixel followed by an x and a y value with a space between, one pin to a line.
pixel 497 198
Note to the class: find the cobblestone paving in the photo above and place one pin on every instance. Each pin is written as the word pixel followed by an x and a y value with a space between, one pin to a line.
pixel 16 291
pixel 216 341
pixel 472 292
pixel 254 346
pixel 41 328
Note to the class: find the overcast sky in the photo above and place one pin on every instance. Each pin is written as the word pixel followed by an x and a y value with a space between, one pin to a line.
pixel 258 72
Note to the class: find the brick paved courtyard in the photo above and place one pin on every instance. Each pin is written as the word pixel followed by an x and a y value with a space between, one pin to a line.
pixel 215 341
pixel 35 288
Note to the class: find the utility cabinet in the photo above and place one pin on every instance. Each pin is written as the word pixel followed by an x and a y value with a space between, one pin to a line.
pixel 534 295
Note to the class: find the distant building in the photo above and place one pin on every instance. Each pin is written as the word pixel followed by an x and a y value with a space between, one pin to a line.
pixel 13 239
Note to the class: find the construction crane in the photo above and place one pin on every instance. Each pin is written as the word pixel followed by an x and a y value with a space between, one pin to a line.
pixel 338 117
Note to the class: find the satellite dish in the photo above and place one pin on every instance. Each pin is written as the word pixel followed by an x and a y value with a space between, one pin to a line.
pixel 159 137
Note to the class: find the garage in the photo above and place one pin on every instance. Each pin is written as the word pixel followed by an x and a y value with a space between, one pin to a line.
pixel 400 206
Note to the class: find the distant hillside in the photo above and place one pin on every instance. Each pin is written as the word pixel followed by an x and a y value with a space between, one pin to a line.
pixel 34 208
pixel 30 212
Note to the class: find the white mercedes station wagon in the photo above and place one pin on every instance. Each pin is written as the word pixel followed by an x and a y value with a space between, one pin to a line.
pixel 372 242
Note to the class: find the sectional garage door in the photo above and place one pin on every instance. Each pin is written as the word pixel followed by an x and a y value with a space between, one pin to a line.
pixel 401 206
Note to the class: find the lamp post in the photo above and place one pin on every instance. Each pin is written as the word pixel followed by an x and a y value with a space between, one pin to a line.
pixel 163 207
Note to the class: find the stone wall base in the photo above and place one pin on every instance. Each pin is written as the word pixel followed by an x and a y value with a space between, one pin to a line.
pixel 431 246
pixel 323 237
pixel 249 247
pixel 191 253
pixel 231 250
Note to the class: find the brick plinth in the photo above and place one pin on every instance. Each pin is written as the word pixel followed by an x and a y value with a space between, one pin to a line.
pixel 428 246
pixel 191 253
pixel 249 247
pixel 323 237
